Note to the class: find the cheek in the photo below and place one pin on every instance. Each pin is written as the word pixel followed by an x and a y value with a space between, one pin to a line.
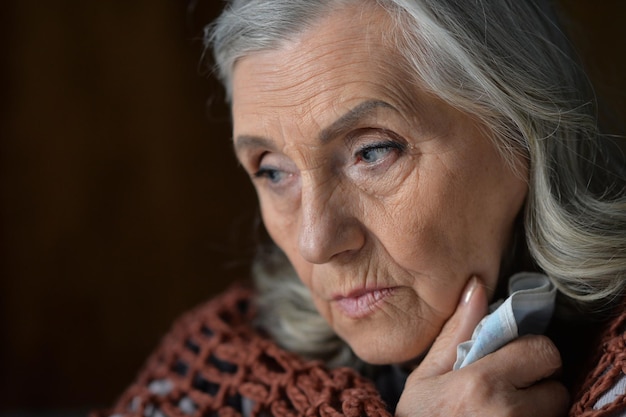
pixel 417 228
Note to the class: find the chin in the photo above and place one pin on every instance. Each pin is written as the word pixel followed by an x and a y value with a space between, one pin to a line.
pixel 376 350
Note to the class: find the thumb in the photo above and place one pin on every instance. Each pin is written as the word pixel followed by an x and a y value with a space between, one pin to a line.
pixel 471 309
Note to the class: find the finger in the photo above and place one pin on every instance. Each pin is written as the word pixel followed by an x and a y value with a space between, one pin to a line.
pixel 459 328
pixel 525 361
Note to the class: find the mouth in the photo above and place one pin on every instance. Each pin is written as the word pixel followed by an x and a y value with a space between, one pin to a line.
pixel 360 304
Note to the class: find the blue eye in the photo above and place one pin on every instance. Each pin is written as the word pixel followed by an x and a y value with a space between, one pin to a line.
pixel 372 154
pixel 271 174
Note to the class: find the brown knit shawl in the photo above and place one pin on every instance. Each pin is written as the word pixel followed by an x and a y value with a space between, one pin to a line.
pixel 213 358
pixel 607 368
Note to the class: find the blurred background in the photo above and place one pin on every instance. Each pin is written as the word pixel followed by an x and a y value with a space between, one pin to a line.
pixel 122 204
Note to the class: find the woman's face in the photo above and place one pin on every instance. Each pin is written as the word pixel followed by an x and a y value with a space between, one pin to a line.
pixel 385 199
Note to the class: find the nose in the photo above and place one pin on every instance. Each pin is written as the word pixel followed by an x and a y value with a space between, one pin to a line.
pixel 328 225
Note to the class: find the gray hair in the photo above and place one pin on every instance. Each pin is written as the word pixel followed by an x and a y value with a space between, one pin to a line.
pixel 507 63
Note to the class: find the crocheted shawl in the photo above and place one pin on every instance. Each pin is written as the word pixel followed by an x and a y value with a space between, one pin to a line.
pixel 608 372
pixel 215 363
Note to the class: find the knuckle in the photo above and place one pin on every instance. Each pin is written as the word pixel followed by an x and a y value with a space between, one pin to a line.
pixel 485 394
pixel 480 384
pixel 546 351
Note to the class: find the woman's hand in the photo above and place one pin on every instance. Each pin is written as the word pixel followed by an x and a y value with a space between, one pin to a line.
pixel 513 381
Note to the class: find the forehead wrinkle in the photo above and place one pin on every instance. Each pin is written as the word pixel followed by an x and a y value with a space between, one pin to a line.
pixel 307 52
pixel 295 75
pixel 303 75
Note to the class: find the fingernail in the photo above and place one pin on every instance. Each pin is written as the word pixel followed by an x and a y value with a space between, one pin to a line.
pixel 470 289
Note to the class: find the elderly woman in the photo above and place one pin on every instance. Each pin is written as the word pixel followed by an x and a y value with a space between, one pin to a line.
pixel 410 157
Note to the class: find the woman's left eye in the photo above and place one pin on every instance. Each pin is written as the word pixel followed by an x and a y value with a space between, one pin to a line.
pixel 376 152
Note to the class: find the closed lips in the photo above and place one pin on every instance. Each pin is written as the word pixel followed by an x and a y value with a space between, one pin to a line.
pixel 362 303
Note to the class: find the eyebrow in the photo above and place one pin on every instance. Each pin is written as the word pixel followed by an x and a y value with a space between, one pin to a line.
pixel 345 122
pixel 351 118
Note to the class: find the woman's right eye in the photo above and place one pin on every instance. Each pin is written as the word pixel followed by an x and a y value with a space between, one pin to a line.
pixel 274 171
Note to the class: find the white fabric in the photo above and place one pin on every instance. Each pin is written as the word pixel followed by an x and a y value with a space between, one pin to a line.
pixel 527 310
pixel 618 389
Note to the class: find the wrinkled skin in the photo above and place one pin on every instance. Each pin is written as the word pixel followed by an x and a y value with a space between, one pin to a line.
pixel 517 380
pixel 389 204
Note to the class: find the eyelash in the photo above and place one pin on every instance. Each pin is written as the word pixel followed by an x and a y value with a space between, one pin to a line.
pixel 266 173
pixel 275 175
pixel 386 145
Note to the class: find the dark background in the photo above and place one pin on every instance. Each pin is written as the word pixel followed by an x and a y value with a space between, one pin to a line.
pixel 121 201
